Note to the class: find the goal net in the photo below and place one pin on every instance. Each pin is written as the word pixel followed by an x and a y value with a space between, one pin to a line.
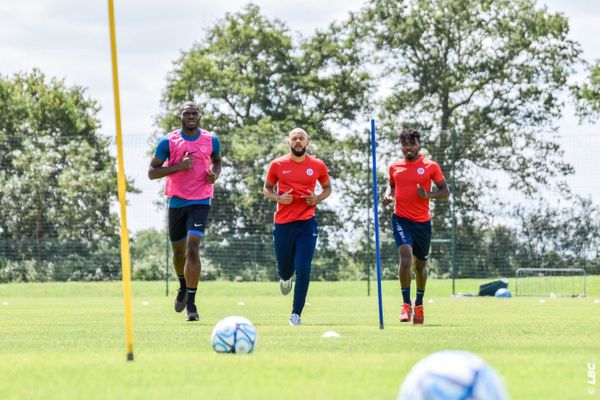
pixel 563 282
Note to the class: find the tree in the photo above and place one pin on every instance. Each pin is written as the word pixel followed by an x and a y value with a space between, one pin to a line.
pixel 587 94
pixel 255 83
pixel 151 251
pixel 491 70
pixel 57 181
pixel 482 79
pixel 569 231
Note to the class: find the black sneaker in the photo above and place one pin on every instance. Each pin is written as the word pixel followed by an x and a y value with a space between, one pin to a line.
pixel 181 299
pixel 191 313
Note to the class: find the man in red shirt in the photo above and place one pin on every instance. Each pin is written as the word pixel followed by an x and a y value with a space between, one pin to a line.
pixel 410 187
pixel 295 232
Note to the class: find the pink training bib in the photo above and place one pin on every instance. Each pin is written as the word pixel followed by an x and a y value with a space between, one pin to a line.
pixel 190 184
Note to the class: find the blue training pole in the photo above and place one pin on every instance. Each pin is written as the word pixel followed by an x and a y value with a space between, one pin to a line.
pixel 376 214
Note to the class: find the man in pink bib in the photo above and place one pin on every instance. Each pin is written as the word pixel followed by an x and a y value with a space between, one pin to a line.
pixel 190 158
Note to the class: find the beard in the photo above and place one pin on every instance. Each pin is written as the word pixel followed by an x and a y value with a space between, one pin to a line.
pixel 298 152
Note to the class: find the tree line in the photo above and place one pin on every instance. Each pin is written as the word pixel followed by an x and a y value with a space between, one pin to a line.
pixel 486 82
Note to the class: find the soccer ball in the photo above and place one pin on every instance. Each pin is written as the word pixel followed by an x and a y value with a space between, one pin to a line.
pixel 503 292
pixel 452 374
pixel 234 335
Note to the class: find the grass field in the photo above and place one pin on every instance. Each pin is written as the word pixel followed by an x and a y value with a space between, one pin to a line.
pixel 67 341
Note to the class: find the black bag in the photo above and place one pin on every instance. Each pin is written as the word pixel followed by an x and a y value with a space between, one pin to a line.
pixel 489 289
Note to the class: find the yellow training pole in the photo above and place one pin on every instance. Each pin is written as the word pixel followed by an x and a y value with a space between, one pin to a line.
pixel 125 256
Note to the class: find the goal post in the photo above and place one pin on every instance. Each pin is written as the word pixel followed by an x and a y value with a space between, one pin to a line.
pixel 553 282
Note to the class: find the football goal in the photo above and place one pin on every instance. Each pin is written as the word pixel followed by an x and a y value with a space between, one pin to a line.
pixel 563 282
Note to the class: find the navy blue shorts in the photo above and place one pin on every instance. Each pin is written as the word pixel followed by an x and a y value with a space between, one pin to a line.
pixel 415 234
pixel 295 244
pixel 190 219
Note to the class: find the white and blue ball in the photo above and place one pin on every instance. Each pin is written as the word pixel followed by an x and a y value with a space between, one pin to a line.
pixel 234 335
pixel 452 374
pixel 503 292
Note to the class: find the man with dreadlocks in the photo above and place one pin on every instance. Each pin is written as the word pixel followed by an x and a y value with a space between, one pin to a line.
pixel 410 187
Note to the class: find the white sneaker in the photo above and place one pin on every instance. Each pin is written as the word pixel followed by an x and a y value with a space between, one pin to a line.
pixel 285 286
pixel 295 320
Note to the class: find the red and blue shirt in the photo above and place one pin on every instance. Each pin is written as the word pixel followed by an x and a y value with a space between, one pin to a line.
pixel 301 177
pixel 404 176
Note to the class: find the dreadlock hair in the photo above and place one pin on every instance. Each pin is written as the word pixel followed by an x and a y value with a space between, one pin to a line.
pixel 410 135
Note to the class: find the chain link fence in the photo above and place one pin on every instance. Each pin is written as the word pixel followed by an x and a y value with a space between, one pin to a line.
pixel 59 221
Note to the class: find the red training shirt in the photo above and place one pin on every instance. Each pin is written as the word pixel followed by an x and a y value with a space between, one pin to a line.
pixel 405 175
pixel 301 177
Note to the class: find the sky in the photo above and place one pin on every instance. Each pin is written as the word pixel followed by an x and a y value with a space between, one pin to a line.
pixel 69 39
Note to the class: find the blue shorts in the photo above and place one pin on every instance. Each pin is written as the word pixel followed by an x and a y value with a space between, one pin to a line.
pixel 295 244
pixel 415 234
pixel 188 219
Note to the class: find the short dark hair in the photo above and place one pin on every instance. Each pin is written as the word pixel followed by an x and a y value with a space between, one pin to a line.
pixel 410 135
pixel 186 104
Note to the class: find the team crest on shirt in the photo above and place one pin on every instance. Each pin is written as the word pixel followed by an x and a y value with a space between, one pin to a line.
pixel 309 172
pixel 203 148
pixel 421 171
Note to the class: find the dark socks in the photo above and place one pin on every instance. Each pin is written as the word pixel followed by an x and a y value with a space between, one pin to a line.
pixel 419 299
pixel 406 295
pixel 191 296
pixel 181 281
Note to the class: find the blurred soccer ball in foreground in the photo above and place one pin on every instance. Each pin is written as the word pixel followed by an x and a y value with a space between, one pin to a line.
pixel 452 374
pixel 234 335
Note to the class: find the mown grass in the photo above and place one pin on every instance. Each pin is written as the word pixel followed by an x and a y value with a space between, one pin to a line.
pixel 67 341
